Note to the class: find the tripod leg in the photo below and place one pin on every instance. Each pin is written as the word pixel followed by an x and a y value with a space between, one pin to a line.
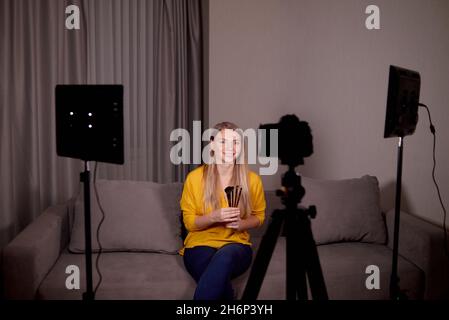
pixel 263 257
pixel 296 270
pixel 313 266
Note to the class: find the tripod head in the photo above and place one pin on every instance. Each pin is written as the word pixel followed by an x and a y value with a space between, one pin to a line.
pixel 292 192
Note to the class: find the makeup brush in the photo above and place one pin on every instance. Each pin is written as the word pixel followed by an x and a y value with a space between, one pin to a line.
pixel 239 194
pixel 236 193
pixel 228 191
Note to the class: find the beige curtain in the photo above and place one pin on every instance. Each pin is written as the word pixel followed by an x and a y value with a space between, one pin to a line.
pixel 153 48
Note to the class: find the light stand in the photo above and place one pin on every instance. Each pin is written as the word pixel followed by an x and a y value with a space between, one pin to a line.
pixel 401 120
pixel 85 178
pixel 395 292
pixel 89 126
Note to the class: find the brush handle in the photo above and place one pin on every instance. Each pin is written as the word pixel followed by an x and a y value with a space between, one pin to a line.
pixel 238 197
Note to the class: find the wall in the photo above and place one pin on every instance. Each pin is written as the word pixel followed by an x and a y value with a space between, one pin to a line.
pixel 316 59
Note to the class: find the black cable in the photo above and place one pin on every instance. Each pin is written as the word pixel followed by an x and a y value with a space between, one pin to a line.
pixel 98 230
pixel 432 130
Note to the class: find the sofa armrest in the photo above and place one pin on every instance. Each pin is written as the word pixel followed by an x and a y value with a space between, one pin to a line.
pixel 30 256
pixel 422 243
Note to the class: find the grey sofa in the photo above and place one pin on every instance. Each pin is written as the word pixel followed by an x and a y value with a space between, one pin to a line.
pixel 350 230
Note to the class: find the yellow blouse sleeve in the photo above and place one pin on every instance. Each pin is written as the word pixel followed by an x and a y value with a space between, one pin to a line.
pixel 188 206
pixel 258 198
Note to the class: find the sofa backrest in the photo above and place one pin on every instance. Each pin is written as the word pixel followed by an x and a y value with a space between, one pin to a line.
pixel 347 210
pixel 145 216
pixel 139 216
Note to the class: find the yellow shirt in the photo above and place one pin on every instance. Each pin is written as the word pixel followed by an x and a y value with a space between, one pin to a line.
pixel 216 236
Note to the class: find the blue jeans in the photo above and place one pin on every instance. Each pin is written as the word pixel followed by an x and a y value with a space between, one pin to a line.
pixel 214 268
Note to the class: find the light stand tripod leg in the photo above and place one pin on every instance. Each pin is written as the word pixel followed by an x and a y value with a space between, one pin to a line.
pixel 263 256
pixel 85 178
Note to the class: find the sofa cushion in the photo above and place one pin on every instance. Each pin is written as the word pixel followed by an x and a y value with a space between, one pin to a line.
pixel 126 276
pixel 347 210
pixel 139 216
pixel 344 270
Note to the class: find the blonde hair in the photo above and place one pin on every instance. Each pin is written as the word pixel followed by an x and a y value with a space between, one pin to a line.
pixel 212 186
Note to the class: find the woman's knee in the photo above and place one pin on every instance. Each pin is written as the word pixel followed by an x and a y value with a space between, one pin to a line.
pixel 196 259
pixel 238 250
pixel 234 253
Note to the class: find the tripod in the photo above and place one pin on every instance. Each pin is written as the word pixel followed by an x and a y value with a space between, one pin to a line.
pixel 302 257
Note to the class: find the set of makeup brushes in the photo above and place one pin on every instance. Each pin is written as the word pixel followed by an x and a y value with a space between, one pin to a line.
pixel 233 194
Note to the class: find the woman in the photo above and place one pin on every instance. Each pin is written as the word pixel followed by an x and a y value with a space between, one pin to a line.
pixel 217 247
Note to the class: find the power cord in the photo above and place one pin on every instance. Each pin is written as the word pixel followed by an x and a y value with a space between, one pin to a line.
pixel 98 231
pixel 432 130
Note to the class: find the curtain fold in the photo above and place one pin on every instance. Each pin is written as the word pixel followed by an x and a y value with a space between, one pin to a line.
pixel 36 54
pixel 153 48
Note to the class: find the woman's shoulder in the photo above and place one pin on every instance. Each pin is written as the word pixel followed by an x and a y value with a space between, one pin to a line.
pixel 254 178
pixel 196 174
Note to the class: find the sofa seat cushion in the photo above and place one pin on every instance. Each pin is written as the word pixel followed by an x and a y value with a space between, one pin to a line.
pixel 344 266
pixel 126 275
pixel 159 276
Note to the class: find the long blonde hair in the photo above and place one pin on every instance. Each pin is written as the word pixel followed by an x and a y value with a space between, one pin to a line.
pixel 212 185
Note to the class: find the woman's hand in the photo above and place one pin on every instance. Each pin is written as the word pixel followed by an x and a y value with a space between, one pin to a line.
pixel 226 215
pixel 235 224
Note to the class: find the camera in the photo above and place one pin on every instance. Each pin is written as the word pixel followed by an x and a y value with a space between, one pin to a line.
pixel 294 140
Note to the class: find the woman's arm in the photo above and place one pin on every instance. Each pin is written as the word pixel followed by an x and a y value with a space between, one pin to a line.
pixel 226 215
pixel 244 224
pixel 251 222
pixel 203 222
